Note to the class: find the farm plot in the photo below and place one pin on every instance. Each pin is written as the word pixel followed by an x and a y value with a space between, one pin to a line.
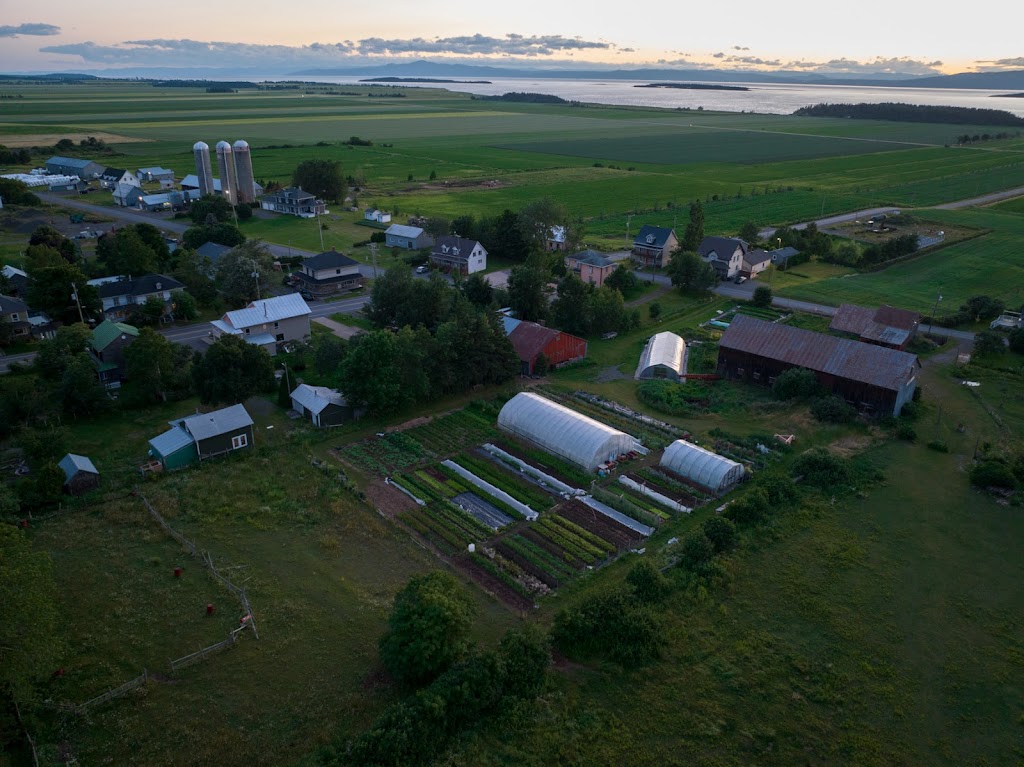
pixel 518 485
pixel 384 455
pixel 455 432
pixel 668 483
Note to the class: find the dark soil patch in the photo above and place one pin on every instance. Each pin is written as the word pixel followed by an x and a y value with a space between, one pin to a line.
pixel 498 589
pixel 388 500
pixel 604 527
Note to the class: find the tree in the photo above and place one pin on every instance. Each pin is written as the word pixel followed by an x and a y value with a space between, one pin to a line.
pixel 694 232
pixel 322 178
pixel 721 532
pixel 222 234
pixel 368 375
pixel 79 391
pixel 328 354
pixel 194 272
pixel 571 309
pixel 541 365
pixel 464 226
pixel 210 209
pixel 31 640
pixel 156 369
pixel 796 383
pixel 1017 340
pixel 536 220
pixel 125 252
pixel 525 657
pixel 697 551
pixel 526 292
pixel 750 232
pixel 690 273
pixel 55 353
pixel 654 310
pixel 428 629
pixel 503 237
pixel 478 290
pixel 649 585
pixel 623 279
pixel 232 370
pixel 149 313
pixel 185 306
pixel 236 270
pixel 989 343
pixel 50 290
pixel 52 238
pixel 762 296
pixel 243 212
pixel 609 311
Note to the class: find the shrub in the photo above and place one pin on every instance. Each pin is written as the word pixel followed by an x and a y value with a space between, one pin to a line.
pixel 665 397
pixel 649 585
pixel 904 430
pixel 721 532
pixel 780 489
pixel 796 383
pixel 697 551
pixel 938 445
pixel 750 509
pixel 993 474
pixel 820 468
pixel 762 296
pixel 609 624
pixel 833 409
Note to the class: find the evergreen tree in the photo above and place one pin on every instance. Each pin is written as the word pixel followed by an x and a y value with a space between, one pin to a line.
pixel 694 232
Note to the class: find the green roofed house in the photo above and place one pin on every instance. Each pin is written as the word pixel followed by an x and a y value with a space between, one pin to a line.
pixel 106 346
pixel 202 436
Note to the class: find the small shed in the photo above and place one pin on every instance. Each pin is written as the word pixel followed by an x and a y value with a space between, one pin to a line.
pixel 322 406
pixel 80 475
pixel 711 470
pixel 202 436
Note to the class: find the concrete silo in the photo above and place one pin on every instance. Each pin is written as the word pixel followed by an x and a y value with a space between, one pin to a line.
pixel 226 166
pixel 243 172
pixel 204 171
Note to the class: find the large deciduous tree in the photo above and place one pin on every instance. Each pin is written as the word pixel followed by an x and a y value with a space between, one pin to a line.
pixel 222 234
pixel 52 238
pixel 690 273
pixel 536 220
pixel 428 629
pixel 241 269
pixel 52 288
pixel 156 369
pixel 211 209
pixel 571 310
pixel 526 291
pixel 232 370
pixel 125 252
pixel 323 178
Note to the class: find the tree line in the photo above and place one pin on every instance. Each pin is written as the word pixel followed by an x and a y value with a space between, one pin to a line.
pixel 918 113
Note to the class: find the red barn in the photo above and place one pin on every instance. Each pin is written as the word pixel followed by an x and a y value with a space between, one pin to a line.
pixel 530 340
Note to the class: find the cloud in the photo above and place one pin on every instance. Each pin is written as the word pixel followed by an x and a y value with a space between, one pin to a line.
pixel 718 56
pixel 878 65
pixel 998 64
pixel 35 30
pixel 740 48
pixel 159 52
pixel 754 61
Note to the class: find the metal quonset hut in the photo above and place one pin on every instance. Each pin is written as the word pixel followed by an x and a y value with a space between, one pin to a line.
pixel 707 469
pixel 563 432
pixel 663 357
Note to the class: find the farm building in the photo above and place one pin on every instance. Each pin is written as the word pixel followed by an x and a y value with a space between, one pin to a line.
pixel 408 237
pixel 74 166
pixel 663 357
pixel 711 470
pixel 322 406
pixel 530 340
pixel 871 377
pixel 203 436
pixel 377 216
pixel 563 432
pixel 80 475
pixel 885 326
pixel 150 175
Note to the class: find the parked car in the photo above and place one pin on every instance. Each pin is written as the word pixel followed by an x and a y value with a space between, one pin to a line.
pixel 740 280
pixel 422 269
pixel 307 295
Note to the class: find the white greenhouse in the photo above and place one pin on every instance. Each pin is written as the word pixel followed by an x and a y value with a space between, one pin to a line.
pixel 663 357
pixel 563 432
pixel 707 469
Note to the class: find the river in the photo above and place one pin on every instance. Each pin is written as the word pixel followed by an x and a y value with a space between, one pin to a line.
pixel 764 98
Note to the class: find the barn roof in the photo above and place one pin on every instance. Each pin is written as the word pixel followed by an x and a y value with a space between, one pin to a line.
pixel 206 425
pixel 855 361
pixel 72 464
pixel 268 310
pixel 529 339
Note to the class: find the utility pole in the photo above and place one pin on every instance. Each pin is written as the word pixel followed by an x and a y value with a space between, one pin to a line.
pixel 256 277
pixel 321 228
pixel 74 295
pixel 373 255
pixel 935 308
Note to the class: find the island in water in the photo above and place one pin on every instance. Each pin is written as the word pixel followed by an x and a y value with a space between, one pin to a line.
pixel 421 80
pixel 695 86
pixel 1008 96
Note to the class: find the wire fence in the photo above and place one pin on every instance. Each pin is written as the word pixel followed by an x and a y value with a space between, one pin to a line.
pixel 117 692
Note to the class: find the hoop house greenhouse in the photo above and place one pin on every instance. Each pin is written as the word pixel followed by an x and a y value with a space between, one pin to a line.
pixel 663 357
pixel 707 469
pixel 563 432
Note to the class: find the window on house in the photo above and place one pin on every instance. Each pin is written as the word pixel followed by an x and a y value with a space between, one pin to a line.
pixel 277 324
pixel 337 271
pixel 240 441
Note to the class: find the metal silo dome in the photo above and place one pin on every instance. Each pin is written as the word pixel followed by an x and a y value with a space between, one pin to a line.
pixel 223 146
pixel 201 146
pixel 241 144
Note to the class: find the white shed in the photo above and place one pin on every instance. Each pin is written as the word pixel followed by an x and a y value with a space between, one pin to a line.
pixel 664 356
pixel 564 432
pixel 707 469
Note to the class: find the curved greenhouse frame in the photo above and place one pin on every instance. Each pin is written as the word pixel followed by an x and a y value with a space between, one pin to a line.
pixel 562 431
pixel 707 469
pixel 663 357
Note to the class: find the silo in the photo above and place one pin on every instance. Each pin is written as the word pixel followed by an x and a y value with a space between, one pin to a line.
pixel 201 151
pixel 226 165
pixel 243 172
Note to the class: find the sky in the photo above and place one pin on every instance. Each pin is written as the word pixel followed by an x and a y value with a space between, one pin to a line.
pixel 69 35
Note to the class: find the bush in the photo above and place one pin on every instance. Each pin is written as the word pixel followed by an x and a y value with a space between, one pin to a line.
pixel 904 430
pixel 762 296
pixel 796 383
pixel 721 532
pixel 780 489
pixel 649 585
pixel 833 409
pixel 988 343
pixel 665 397
pixel 820 468
pixel 993 474
pixel 1017 340
pixel 938 445
pixel 697 551
pixel 609 624
pixel 750 509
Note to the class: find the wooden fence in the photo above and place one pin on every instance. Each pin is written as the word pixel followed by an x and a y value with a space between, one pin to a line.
pixel 198 655
pixel 117 692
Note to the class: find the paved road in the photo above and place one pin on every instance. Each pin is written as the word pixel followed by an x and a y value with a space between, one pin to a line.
pixel 166 223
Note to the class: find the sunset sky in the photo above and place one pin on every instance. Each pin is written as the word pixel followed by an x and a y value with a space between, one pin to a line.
pixel 268 34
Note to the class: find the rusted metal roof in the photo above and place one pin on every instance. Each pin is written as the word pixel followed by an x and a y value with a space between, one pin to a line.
pixel 890 316
pixel 529 339
pixel 850 318
pixel 873 365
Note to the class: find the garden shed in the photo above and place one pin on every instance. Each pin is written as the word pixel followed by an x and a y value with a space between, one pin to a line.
pixel 80 474
pixel 664 357
pixel 711 470
pixel 563 432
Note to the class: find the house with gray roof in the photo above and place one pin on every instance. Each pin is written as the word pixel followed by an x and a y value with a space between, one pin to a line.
pixel 329 273
pixel 293 202
pixel 203 436
pixel 121 297
pixel 80 474
pixel 149 175
pixel 591 266
pixel 111 177
pixel 74 166
pixel 653 245
pixel 407 237
pixel 127 195
pixel 14 312
pixel 267 322
pixel 452 253
pixel 725 254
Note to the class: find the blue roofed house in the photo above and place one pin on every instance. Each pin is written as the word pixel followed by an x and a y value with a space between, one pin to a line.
pixel 407 237
pixel 322 406
pixel 127 195
pixel 653 245
pixel 87 170
pixel 203 436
